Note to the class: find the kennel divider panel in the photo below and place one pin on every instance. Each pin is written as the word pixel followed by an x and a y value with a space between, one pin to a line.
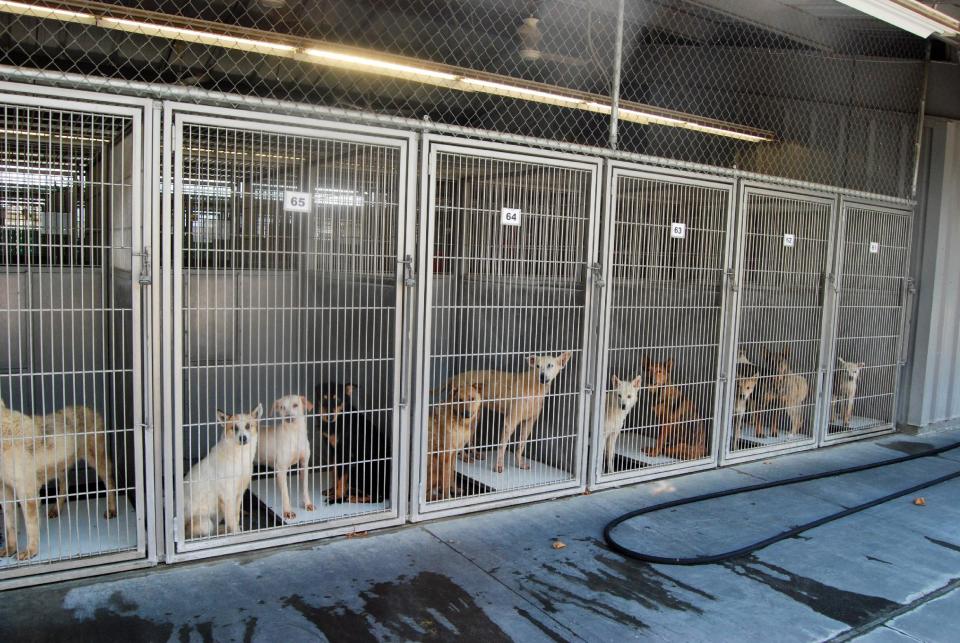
pixel 871 294
pixel 774 223
pixel 572 182
pixel 642 205
pixel 74 207
pixel 378 273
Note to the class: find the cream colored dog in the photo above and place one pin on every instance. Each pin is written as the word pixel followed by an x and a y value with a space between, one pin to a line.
pixel 518 396
pixel 285 445
pixel 620 401
pixel 214 487
pixel 34 450
pixel 845 381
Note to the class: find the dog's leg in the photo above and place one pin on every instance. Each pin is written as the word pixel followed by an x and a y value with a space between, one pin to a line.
pixel 231 513
pixel 62 486
pixel 848 413
pixel 509 426
pixel 97 456
pixel 611 445
pixel 280 474
pixel 446 464
pixel 9 523
pixel 525 431
pixel 31 516
pixel 305 481
pixel 658 449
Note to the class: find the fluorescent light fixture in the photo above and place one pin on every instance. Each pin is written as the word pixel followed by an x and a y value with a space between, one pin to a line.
pixel 910 15
pixel 523 92
pixel 66 137
pixel 38 11
pixel 377 64
pixel 206 37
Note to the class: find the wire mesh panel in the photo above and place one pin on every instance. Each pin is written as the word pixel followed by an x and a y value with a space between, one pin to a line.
pixel 71 492
pixel 874 260
pixel 509 238
pixel 784 254
pixel 667 255
pixel 288 306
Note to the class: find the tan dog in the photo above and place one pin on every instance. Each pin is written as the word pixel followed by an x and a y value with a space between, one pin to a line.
pixel 747 378
pixel 673 410
pixel 791 389
pixel 620 401
pixel 34 450
pixel 214 487
pixel 518 396
pixel 845 380
pixel 450 430
pixel 285 445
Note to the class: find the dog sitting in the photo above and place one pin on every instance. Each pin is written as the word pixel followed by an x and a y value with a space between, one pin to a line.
pixel 790 389
pixel 285 445
pixel 845 380
pixel 518 397
pixel 673 409
pixel 747 378
pixel 33 450
pixel 214 487
pixel 451 427
pixel 620 401
pixel 361 454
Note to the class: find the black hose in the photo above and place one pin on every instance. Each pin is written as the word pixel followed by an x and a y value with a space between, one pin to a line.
pixel 793 531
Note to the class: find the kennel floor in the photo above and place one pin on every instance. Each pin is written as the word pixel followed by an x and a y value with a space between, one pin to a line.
pixel 539 474
pixel 80 531
pixel 857 423
pixel 636 449
pixel 747 434
pixel 264 488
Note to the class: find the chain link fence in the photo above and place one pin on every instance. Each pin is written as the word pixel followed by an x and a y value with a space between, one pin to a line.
pixel 836 103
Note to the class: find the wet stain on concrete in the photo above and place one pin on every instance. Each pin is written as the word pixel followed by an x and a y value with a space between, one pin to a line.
pixel 848 607
pixel 878 560
pixel 909 447
pixel 550 634
pixel 205 630
pixel 944 544
pixel 249 629
pixel 426 607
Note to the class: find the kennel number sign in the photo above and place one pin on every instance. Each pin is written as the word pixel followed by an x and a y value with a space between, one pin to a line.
pixel 296 201
pixel 678 230
pixel 874 247
pixel 789 240
pixel 510 216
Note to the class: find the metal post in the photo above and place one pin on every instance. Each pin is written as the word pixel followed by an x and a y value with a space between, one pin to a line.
pixel 919 136
pixel 615 84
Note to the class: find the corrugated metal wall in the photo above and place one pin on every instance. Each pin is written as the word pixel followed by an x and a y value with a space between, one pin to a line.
pixel 931 394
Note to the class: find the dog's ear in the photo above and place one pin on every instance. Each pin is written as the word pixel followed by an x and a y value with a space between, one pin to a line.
pixel 637 382
pixel 564 358
pixel 277 406
pixel 532 360
pixel 349 389
pixel 668 364
pixel 615 381
pixel 307 404
pixel 222 417
pixel 860 364
pixel 257 412
pixel 478 386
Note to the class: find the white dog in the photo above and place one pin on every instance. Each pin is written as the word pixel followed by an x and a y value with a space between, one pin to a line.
pixel 285 446
pixel 845 382
pixel 214 487
pixel 620 401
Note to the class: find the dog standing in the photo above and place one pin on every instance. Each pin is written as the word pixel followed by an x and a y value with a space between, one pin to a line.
pixel 34 450
pixel 620 401
pixel 845 380
pixel 361 454
pixel 285 446
pixel 450 430
pixel 214 487
pixel 518 397
pixel 673 409
pixel 747 377
pixel 791 389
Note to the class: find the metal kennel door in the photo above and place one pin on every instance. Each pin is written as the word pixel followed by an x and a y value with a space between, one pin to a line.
pixel 668 252
pixel 508 245
pixel 289 259
pixel 72 252
pixel 873 263
pixel 784 273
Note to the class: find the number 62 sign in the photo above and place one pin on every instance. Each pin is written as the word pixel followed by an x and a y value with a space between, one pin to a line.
pixel 296 201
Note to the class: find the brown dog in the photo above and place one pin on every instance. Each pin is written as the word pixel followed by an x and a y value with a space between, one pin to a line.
pixel 451 427
pixel 790 389
pixel 34 450
pixel 673 410
pixel 518 396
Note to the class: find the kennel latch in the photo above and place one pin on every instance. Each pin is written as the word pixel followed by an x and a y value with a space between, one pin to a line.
pixel 597 271
pixel 409 278
pixel 146 277
pixel 731 280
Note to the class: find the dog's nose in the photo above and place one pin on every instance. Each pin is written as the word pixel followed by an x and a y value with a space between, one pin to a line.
pixel 465 415
pixel 543 378
pixel 623 406
pixel 242 439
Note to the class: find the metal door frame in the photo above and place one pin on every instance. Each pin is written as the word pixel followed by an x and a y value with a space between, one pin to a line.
pixel 176 115
pixel 431 146
pixel 745 189
pixel 144 264
pixel 906 300
pixel 614 171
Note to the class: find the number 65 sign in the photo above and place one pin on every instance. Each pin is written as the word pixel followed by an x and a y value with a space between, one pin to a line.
pixel 296 201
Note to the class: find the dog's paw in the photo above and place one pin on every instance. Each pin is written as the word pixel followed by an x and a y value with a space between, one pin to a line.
pixel 53 512
pixel 110 513
pixel 289 515
pixel 27 554
pixel 310 506
pixel 498 468
pixel 8 551
pixel 479 455
pixel 523 465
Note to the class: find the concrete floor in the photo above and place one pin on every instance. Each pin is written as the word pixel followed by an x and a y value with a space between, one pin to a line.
pixel 891 573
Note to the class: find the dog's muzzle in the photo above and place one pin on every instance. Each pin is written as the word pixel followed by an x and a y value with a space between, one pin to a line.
pixel 242 439
pixel 623 406
pixel 466 415
pixel 543 379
